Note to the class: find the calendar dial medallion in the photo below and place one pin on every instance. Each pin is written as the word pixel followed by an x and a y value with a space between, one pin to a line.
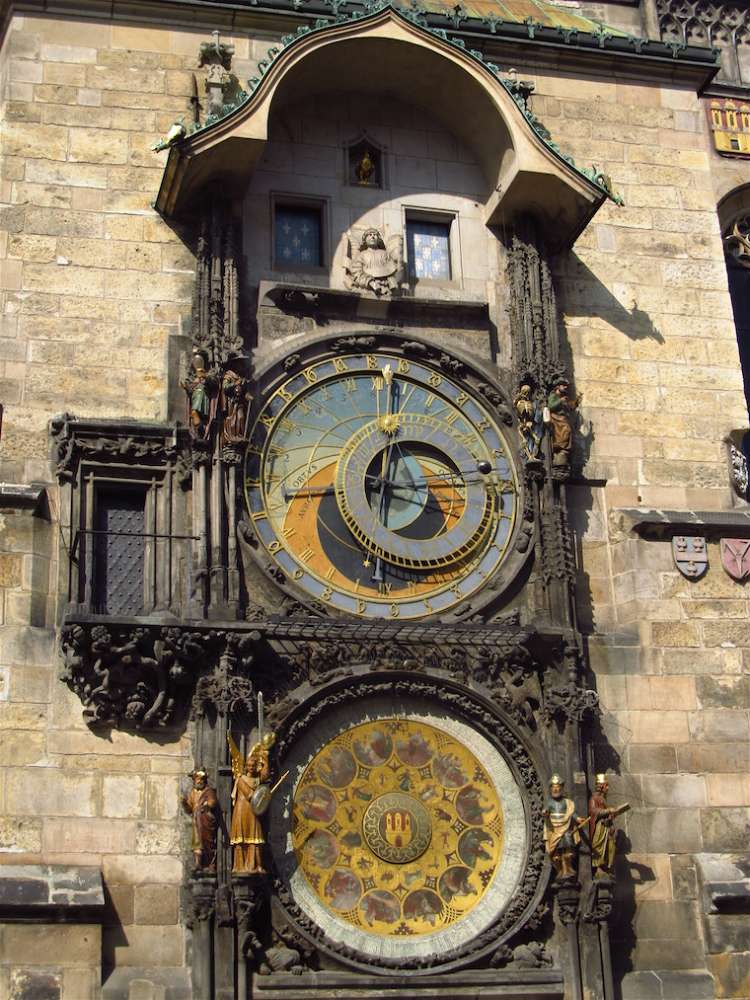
pixel 380 486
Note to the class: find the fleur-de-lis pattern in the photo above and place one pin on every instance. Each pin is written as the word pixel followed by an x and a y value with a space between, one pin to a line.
pixel 429 250
pixel 297 231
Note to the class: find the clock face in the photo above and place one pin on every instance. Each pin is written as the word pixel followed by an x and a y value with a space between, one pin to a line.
pixel 380 486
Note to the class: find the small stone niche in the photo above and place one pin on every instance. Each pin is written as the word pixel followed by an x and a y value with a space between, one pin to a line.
pixel 365 164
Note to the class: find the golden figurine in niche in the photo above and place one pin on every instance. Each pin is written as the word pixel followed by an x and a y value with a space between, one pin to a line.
pixel 251 796
pixel 365 169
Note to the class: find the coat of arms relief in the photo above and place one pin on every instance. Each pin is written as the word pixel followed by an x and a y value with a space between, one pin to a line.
pixel 374 261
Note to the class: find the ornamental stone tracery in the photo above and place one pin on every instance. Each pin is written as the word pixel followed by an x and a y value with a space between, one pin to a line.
pixel 725 27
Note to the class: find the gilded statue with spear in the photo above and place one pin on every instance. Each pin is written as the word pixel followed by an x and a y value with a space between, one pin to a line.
pixel 251 796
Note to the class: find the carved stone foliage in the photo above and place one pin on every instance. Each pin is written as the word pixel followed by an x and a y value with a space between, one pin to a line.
pixel 216 384
pixel 723 26
pixel 544 399
pixel 597 906
pixel 739 472
pixel 460 704
pixel 137 443
pixel 216 319
pixel 143 678
pixel 227 690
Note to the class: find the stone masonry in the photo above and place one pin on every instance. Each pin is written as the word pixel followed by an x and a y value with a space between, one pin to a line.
pixel 95 302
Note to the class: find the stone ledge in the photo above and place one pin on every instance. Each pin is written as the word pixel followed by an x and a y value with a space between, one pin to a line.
pixel 726 883
pixel 490 984
pixel 655 523
pixel 20 496
pixel 312 300
pixel 58 892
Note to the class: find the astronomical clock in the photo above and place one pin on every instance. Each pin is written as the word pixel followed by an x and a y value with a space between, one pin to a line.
pixel 386 499
pixel 382 487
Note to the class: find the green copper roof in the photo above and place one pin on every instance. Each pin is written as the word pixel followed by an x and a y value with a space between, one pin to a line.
pixel 537 12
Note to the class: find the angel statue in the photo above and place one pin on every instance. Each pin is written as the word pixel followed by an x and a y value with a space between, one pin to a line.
pixel 251 796
pixel 376 267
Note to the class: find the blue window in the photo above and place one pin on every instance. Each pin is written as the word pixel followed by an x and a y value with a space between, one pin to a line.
pixel 428 247
pixel 297 232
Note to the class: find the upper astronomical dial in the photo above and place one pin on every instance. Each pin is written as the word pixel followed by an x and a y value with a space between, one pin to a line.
pixel 380 486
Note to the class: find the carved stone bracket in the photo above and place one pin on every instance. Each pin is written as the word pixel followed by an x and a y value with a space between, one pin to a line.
pixel 250 900
pixel 201 904
pixel 570 703
pixel 568 894
pixel 599 899
pixel 142 677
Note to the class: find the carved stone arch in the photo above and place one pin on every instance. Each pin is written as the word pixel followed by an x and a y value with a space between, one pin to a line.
pixel 333 708
pixel 276 592
pixel 524 172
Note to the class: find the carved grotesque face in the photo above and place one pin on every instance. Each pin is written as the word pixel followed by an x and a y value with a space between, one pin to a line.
pixel 556 790
pixel 372 239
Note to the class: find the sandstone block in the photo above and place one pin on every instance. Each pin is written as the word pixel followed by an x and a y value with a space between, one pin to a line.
pixel 707 757
pixel 82 984
pixel 91 145
pixel 20 836
pixel 670 727
pixel 720 724
pixel 156 904
pixel 125 78
pixel 18 748
pixel 149 946
pixel 35 141
pixel 75 944
pixel 681 790
pixel 121 899
pixel 60 222
pixel 731 974
pixel 727 633
pixel 38 982
pixel 724 692
pixel 162 797
pixel 675 634
pixel 88 836
pixel 68 54
pixel 725 829
pixel 122 795
pixel 141 870
pixel 49 792
pixel 668 953
pixel 665 831
pixel 728 789
pixel 652 758
pixel 657 919
pixel 157 838
pixel 133 37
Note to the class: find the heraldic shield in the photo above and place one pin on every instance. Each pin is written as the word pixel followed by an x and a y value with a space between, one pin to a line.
pixel 690 555
pixel 735 557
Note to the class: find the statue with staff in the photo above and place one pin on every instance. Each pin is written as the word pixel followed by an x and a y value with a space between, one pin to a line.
pixel 251 797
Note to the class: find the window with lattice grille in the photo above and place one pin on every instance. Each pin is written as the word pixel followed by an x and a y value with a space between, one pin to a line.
pixel 119 550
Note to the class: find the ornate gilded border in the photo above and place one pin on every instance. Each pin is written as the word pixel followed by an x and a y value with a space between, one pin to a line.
pixel 502 735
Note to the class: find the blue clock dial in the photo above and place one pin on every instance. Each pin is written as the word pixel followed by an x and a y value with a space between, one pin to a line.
pixel 380 486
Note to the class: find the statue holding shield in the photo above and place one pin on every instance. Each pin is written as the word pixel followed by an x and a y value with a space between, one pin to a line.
pixel 251 796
